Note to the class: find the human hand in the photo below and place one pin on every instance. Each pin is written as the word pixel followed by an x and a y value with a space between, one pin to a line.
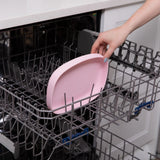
pixel 108 41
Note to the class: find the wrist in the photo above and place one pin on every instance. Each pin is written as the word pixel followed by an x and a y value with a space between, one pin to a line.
pixel 125 29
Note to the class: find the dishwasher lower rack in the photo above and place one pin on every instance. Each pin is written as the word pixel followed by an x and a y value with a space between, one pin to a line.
pixel 27 124
pixel 105 146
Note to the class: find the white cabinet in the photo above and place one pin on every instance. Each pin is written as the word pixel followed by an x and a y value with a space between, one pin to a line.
pixel 146 35
pixel 144 131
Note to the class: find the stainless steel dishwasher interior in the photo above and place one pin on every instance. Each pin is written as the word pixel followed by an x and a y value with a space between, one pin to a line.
pixel 28 130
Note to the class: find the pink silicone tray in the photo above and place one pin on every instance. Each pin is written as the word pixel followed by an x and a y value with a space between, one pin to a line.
pixel 76 79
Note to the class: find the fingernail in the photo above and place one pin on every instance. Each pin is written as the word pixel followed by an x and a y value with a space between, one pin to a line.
pixel 105 60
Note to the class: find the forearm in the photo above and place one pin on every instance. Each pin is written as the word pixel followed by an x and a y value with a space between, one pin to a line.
pixel 149 10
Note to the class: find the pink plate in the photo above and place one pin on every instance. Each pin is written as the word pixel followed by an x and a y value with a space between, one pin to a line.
pixel 78 79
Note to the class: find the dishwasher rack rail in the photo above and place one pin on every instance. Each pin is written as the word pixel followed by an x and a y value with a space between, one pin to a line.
pixel 28 125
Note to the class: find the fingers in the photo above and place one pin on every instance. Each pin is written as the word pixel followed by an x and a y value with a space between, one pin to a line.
pixel 95 47
pixel 102 50
pixel 99 47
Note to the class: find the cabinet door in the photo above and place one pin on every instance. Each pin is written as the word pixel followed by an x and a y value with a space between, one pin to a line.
pixel 144 131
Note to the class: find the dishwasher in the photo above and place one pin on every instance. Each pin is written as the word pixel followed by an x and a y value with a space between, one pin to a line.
pixel 30 131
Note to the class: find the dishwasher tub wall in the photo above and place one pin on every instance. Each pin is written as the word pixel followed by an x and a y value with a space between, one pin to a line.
pixel 28 125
